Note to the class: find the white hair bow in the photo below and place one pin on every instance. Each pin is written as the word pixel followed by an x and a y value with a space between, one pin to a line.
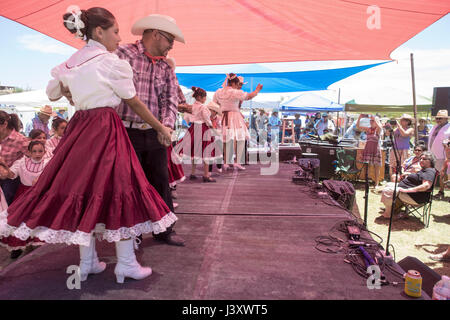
pixel 228 77
pixel 75 22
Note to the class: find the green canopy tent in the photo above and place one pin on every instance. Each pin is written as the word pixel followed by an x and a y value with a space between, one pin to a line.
pixel 374 108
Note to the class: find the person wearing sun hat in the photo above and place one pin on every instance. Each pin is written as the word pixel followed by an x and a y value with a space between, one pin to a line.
pixel 157 87
pixel 402 135
pixel 439 133
pixel 41 121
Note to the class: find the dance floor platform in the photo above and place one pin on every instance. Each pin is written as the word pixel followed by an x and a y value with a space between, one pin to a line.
pixel 247 236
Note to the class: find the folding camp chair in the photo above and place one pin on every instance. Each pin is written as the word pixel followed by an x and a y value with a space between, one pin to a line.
pixel 423 210
pixel 346 166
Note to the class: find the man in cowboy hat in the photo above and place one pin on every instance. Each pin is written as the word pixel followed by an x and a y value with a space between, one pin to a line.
pixel 157 87
pixel 439 133
pixel 40 121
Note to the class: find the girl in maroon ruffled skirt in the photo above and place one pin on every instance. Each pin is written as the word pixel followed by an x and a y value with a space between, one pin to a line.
pixel 94 183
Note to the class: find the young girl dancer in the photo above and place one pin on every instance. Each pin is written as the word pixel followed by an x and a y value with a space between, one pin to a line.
pixel 94 183
pixel 199 141
pixel 235 131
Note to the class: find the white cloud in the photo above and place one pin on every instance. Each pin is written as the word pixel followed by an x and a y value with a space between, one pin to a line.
pixel 41 43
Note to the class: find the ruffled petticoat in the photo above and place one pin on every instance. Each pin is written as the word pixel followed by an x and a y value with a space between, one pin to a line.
pixel 94 183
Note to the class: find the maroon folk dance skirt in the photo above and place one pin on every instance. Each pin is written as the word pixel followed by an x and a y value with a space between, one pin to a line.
pixel 176 172
pixel 93 183
pixel 197 143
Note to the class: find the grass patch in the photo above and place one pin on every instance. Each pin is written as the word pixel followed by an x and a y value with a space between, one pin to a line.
pixel 409 236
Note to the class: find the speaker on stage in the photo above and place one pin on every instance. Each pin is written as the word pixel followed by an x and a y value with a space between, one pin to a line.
pixel 288 152
pixel 441 100
pixel 429 276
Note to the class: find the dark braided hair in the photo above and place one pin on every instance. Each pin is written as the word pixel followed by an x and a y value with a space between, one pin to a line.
pixel 35 142
pixel 12 120
pixel 56 122
pixel 198 93
pixel 92 18
pixel 235 79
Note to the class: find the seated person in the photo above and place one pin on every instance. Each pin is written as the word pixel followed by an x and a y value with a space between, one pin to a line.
pixel 414 189
pixel 412 164
pixel 304 133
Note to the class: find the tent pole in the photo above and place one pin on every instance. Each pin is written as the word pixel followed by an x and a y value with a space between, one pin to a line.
pixel 339 102
pixel 416 132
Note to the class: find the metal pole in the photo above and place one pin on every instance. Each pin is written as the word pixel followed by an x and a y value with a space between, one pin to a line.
pixel 416 130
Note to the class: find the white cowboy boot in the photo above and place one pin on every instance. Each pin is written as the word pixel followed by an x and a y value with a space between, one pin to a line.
pixel 89 262
pixel 127 265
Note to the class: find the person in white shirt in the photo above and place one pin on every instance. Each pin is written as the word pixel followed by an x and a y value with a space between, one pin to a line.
pixel 439 133
pixel 94 183
pixel 261 126
pixel 324 125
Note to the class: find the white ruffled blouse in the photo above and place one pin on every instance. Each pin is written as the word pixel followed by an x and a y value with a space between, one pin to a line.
pixel 96 78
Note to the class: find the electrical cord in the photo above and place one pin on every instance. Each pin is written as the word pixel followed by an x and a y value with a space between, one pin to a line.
pixel 333 244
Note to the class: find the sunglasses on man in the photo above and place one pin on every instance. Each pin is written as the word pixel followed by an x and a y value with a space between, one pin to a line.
pixel 169 39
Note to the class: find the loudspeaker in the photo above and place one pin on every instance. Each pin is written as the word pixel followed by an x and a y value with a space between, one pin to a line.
pixel 327 155
pixel 288 152
pixel 441 100
pixel 429 276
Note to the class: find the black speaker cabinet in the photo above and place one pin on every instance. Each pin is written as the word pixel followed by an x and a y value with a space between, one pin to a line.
pixel 429 276
pixel 327 155
pixel 288 152
pixel 441 100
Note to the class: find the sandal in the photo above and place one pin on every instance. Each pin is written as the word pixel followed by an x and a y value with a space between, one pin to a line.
pixel 192 177
pixel 439 257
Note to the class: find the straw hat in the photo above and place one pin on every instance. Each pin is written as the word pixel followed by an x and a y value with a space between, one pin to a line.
pixel 158 22
pixel 406 117
pixel 47 110
pixel 442 114
pixel 214 107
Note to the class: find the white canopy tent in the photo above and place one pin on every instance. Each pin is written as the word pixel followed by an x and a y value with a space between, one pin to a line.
pixel 26 104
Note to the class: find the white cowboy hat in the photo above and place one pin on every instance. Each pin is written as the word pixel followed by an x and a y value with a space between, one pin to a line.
pixel 158 22
pixel 442 114
pixel 214 107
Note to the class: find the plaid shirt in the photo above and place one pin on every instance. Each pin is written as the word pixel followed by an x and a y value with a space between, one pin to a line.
pixel 36 123
pixel 156 85
pixel 13 147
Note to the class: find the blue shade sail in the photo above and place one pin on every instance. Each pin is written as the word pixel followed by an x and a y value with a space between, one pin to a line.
pixel 275 82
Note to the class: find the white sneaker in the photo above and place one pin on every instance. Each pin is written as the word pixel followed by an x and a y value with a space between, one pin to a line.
pixel 127 265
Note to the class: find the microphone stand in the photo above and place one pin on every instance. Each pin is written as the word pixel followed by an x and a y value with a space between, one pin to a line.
pixel 366 195
pixel 394 197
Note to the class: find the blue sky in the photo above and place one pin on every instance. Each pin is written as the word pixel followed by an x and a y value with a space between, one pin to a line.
pixel 27 57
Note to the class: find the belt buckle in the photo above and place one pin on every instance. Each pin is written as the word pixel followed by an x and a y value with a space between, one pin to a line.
pixel 143 126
